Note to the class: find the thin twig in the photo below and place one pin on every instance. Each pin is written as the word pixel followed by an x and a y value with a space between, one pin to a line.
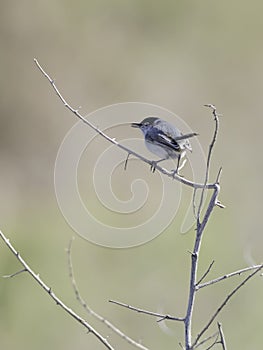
pixel 48 290
pixel 146 312
pixel 170 174
pixel 205 274
pixel 211 146
pixel 224 277
pixel 14 274
pixel 92 312
pixel 234 291
pixel 219 175
pixel 126 161
pixel 222 337
pixel 206 340
pixel 213 344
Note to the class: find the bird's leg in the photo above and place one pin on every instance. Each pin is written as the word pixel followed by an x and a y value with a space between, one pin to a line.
pixel 177 167
pixel 178 163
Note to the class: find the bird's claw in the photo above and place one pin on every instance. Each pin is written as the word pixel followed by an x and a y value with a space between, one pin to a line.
pixel 176 172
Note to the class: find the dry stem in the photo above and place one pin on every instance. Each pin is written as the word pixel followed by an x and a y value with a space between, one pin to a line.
pixel 92 312
pixel 49 291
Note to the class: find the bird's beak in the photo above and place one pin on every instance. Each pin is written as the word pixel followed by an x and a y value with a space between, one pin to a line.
pixel 136 125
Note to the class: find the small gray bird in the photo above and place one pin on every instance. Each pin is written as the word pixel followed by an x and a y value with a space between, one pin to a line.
pixel 164 140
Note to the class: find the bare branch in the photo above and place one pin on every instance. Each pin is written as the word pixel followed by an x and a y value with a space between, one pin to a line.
pixel 48 290
pixel 194 264
pixel 170 174
pixel 146 312
pixel 92 312
pixel 205 274
pixel 200 226
pixel 224 277
pixel 211 146
pixel 206 327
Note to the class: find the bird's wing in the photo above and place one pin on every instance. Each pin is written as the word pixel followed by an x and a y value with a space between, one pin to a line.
pixel 159 138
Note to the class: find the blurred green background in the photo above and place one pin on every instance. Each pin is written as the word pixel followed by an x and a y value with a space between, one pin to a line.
pixel 177 54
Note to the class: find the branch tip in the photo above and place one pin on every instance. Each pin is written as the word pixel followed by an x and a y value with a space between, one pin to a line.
pixel 15 273
pixel 219 175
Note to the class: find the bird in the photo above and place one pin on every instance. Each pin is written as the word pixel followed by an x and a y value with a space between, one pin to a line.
pixel 164 140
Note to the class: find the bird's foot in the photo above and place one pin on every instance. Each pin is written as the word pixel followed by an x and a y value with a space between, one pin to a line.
pixel 176 173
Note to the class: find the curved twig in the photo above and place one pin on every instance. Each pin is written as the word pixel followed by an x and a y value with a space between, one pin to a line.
pixel 53 296
pixel 91 311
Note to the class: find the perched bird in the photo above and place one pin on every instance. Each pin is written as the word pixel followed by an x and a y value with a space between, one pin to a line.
pixel 164 140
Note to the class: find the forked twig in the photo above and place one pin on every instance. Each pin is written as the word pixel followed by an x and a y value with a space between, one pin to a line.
pixel 223 304
pixel 205 274
pixel 224 277
pixel 200 226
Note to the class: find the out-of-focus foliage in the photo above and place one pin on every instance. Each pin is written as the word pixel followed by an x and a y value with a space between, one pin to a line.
pixel 180 55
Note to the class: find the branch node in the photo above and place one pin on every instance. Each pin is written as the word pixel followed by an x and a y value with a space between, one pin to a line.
pixel 222 337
